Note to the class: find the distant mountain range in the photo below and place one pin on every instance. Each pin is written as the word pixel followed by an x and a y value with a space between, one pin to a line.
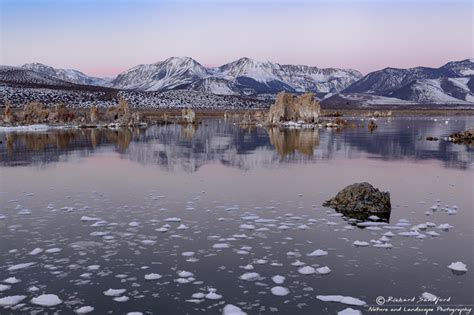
pixel 452 83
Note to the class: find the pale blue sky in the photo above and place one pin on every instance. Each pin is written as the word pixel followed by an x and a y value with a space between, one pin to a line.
pixel 106 37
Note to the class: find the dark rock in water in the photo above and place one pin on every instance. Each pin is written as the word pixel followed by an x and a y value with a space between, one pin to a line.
pixel 432 138
pixel 463 137
pixel 372 126
pixel 361 200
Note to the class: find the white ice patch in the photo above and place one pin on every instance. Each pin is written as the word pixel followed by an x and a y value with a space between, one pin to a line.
pixel 36 251
pixel 349 311
pixel 458 266
pixel 278 279
pixel 249 276
pixel 323 270
pixel 84 310
pixel 306 270
pixel 318 253
pixel 280 291
pixel 341 299
pixel 47 300
pixel 230 309
pixel 4 287
pixel 221 245
pixel 11 300
pixel 153 276
pixel 21 266
pixel 114 292
pixel 11 280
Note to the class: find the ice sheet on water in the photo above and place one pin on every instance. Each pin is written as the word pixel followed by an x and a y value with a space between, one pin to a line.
pixel 250 276
pixel 458 266
pixel 231 309
pixel 11 300
pixel 46 300
pixel 84 310
pixel 341 299
pixel 317 253
pixel 114 292
pixel 21 266
pixel 280 291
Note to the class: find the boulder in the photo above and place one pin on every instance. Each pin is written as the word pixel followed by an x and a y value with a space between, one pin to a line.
pixel 361 200
pixel 290 107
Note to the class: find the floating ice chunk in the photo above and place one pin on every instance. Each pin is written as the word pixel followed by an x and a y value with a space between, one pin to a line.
pixel 317 253
pixel 323 270
pixel 24 212
pixel 134 313
pixel 86 218
pixel 4 287
pixel 247 267
pixel 280 291
pixel 185 274
pixel 36 251
pixel 182 227
pixel 432 233
pixel 93 267
pixel 360 243
pixel 247 227
pixel 383 245
pixel 187 254
pixel 53 250
pixel 409 233
pixel 278 279
pixel 84 310
pixel 162 229
pixel 370 223
pixel 114 292
pixel 230 309
pixel 349 311
pixel 428 296
pixel 221 245
pixel 298 263
pixel 213 296
pixel 341 299
pixel 11 280
pixel 389 234
pixel 261 261
pixel 148 242
pixel 99 223
pixel 153 276
pixel 374 218
pixel 458 266
pixel 445 226
pixel 47 300
pixel 11 300
pixel 121 299
pixel 306 270
pixel 134 223
pixel 249 276
pixel 21 266
pixel 173 219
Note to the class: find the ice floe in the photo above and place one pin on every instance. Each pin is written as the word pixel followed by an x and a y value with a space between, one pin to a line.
pixel 249 276
pixel 306 270
pixel 458 266
pixel 278 279
pixel 349 311
pixel 341 299
pixel 84 310
pixel 21 266
pixel 11 300
pixel 153 276
pixel 231 309
pixel 317 253
pixel 46 300
pixel 114 292
pixel 280 291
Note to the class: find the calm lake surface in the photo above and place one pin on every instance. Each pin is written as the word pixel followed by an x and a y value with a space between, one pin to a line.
pixel 85 211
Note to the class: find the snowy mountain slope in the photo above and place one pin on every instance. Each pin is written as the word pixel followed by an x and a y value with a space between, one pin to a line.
pixel 164 75
pixel 25 76
pixel 69 75
pixel 244 76
pixel 444 90
pixel 450 83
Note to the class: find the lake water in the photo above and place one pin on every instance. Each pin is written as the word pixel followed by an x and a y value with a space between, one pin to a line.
pixel 101 208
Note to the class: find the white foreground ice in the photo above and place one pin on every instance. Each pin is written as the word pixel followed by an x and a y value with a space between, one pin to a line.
pixel 341 299
pixel 47 300
pixel 349 311
pixel 11 300
pixel 458 266
pixel 280 291
pixel 230 309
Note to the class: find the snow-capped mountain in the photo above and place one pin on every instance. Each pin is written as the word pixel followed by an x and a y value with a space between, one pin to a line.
pixel 241 77
pixel 68 75
pixel 25 76
pixel 451 83
pixel 169 74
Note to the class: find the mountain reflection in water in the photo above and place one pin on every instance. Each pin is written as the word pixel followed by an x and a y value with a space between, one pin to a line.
pixel 186 148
